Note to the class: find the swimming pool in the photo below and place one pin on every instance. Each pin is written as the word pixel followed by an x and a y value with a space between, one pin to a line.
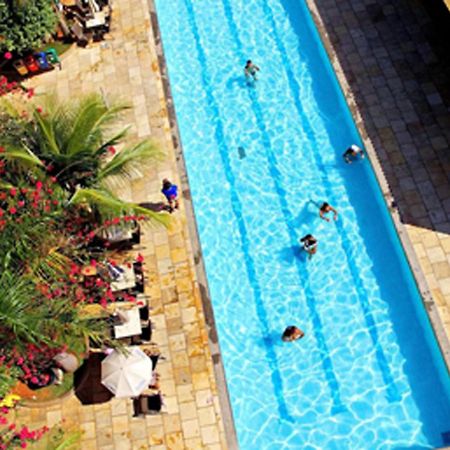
pixel 368 373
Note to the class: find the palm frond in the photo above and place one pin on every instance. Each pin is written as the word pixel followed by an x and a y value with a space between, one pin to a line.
pixel 22 157
pixel 109 205
pixel 91 116
pixel 127 161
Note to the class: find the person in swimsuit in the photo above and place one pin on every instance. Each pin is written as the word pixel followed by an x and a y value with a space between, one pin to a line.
pixel 309 244
pixel 292 333
pixel 170 191
pixel 352 153
pixel 325 209
pixel 250 70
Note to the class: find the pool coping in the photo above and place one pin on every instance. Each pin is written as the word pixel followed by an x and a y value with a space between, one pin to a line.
pixel 213 342
pixel 428 300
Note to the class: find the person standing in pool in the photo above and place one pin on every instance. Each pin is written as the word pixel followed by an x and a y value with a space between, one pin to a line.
pixel 250 70
pixel 352 153
pixel 309 244
pixel 170 191
pixel 325 209
pixel 292 333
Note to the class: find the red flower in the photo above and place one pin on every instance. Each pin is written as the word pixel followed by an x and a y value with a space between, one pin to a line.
pixel 39 109
pixel 12 210
pixel 7 55
pixel 2 149
pixel 30 92
pixel 38 185
pixel 13 192
pixel 111 150
pixel 21 203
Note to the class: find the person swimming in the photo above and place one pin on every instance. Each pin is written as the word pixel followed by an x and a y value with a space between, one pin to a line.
pixel 352 153
pixel 292 333
pixel 251 70
pixel 170 191
pixel 309 244
pixel 325 209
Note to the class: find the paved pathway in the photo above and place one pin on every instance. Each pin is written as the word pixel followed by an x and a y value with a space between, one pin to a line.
pixel 395 58
pixel 126 67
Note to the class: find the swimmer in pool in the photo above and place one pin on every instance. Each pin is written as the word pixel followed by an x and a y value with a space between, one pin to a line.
pixel 170 191
pixel 292 333
pixel 352 153
pixel 309 244
pixel 325 209
pixel 250 70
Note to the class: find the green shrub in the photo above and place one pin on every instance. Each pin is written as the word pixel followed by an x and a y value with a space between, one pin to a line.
pixel 25 24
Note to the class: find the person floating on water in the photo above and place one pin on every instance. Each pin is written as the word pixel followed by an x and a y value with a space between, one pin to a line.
pixel 325 209
pixel 309 244
pixel 292 333
pixel 171 192
pixel 352 153
pixel 250 70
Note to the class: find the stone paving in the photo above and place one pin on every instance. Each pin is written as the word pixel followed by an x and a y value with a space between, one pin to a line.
pixel 126 67
pixel 393 61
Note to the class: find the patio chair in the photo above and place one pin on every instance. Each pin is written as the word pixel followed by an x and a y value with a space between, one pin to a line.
pixel 144 313
pixel 147 404
pixel 145 336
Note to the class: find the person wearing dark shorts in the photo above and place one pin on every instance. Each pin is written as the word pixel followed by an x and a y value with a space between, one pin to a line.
pixel 170 191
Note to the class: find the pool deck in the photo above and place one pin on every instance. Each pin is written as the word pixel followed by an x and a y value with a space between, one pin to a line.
pixel 394 68
pixel 126 67
pixel 395 81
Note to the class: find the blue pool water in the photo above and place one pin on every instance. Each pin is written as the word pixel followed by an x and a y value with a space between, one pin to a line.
pixel 368 373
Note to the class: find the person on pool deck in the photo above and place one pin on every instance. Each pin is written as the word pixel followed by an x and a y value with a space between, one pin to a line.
pixel 352 153
pixel 250 70
pixel 309 244
pixel 292 333
pixel 326 208
pixel 170 191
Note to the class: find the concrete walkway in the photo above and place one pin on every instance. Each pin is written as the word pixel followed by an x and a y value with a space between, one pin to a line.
pixel 126 67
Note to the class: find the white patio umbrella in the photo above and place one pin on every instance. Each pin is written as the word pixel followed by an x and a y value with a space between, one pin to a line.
pixel 127 375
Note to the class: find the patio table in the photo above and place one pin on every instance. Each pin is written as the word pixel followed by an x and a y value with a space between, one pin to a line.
pixel 130 328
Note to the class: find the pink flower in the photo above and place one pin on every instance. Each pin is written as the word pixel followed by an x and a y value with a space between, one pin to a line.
pixel 21 203
pixel 12 210
pixel 38 185
pixel 111 150
pixel 8 55
pixel 34 380
pixel 13 192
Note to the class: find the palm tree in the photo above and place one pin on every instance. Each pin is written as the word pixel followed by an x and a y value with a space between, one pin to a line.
pixel 75 143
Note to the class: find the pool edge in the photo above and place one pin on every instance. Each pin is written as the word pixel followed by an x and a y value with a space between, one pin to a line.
pixel 210 325
pixel 428 300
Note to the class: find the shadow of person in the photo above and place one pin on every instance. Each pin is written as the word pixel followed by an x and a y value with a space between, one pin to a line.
pixel 308 213
pixel 239 81
pixel 292 253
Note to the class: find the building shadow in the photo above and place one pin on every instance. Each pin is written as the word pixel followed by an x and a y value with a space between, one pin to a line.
pixel 396 58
